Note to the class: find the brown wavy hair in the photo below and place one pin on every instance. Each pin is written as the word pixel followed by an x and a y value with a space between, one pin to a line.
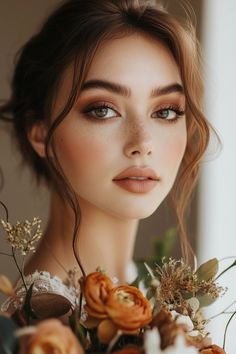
pixel 72 35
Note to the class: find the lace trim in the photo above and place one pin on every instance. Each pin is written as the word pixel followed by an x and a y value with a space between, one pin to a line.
pixel 44 283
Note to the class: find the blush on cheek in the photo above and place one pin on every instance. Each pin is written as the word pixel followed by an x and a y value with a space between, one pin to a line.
pixel 81 153
pixel 174 152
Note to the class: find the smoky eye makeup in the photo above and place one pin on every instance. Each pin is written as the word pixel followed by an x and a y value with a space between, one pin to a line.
pixel 99 107
pixel 102 109
pixel 169 113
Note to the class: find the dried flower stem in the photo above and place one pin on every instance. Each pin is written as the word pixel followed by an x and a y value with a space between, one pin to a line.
pixel 5 208
pixel 80 301
pixel 225 270
pixel 19 270
pixel 5 254
pixel 231 317
pixel 223 312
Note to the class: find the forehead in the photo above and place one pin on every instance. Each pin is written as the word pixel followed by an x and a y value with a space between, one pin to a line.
pixel 136 61
pixel 135 58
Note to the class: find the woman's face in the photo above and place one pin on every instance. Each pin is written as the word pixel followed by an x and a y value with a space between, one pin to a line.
pixel 109 130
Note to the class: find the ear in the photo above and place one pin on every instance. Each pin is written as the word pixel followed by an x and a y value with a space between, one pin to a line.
pixel 37 135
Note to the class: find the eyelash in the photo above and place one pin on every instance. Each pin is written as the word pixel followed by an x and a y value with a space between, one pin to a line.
pixel 175 108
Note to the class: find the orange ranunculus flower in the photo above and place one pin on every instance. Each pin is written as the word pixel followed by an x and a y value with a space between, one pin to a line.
pixel 128 308
pixel 96 287
pixel 213 349
pixel 106 331
pixel 51 336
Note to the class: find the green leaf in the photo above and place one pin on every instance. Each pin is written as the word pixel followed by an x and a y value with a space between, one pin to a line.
pixel 208 270
pixel 78 328
pixel 27 304
pixel 149 269
pixel 205 300
pixel 81 333
pixel 135 283
pixel 141 269
pixel 149 294
pixel 8 341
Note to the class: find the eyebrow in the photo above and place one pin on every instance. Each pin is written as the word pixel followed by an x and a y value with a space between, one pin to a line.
pixel 126 91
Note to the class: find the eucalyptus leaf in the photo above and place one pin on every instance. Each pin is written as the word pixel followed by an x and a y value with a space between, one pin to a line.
pixel 187 294
pixel 149 294
pixel 142 271
pixel 205 300
pixel 208 270
pixel 79 329
pixel 149 269
pixel 8 341
pixel 81 333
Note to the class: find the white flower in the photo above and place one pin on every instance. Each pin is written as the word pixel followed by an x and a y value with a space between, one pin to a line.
pixel 152 342
pixel 183 320
pixel 180 347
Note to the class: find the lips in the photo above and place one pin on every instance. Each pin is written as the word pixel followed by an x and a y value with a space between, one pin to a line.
pixel 138 172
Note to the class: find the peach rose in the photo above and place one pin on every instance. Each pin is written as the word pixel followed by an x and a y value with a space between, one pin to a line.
pixel 213 349
pixel 96 287
pixel 128 308
pixel 51 336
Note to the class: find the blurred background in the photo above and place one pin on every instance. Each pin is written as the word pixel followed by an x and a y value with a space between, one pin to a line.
pixel 211 214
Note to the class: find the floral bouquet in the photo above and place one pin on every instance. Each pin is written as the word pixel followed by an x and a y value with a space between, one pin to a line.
pixel 160 312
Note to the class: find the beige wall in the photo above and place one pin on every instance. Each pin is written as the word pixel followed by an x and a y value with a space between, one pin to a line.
pixel 18 20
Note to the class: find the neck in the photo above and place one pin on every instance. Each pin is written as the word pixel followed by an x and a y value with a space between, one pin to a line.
pixel 104 240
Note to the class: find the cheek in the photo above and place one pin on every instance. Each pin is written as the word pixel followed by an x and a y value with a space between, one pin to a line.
pixel 80 153
pixel 174 151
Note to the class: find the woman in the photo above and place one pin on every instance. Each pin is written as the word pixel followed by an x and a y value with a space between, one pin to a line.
pixel 108 90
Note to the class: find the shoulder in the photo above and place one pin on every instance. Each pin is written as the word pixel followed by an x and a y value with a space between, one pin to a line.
pixel 49 293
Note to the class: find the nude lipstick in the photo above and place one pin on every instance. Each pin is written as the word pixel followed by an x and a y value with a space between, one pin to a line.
pixel 137 179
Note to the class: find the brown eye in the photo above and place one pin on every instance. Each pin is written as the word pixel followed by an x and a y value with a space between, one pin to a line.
pixel 101 112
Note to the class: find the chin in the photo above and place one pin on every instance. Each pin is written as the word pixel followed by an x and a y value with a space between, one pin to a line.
pixel 137 212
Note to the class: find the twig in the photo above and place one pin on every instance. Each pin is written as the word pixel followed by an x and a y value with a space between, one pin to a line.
pixel 227 328
pixel 223 312
pixel 5 208
pixel 19 270
pixel 225 270
pixel 5 254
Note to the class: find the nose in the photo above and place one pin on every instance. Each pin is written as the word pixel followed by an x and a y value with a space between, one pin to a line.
pixel 139 142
